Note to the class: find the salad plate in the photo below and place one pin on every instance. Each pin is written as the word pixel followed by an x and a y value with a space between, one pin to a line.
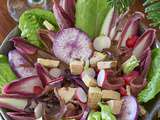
pixel 69 65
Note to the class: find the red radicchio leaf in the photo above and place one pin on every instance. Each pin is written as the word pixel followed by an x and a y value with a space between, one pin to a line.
pixel 30 52
pixel 139 83
pixel 20 65
pixel 85 114
pixel 69 7
pixel 131 28
pixel 63 19
pixel 21 116
pixel 17 103
pixel 29 87
pixel 145 41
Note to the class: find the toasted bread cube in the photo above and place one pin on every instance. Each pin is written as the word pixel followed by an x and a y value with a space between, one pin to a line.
pixel 115 106
pixel 66 93
pixel 97 56
pixel 94 96
pixel 89 81
pixel 106 64
pixel 110 94
pixel 48 62
pixel 76 67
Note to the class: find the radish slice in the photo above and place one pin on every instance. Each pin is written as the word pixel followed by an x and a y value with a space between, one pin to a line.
pixel 101 78
pixel 131 28
pixel 17 103
pixel 101 43
pixel 106 27
pixel 55 72
pixel 90 72
pixel 144 42
pixel 29 86
pixel 81 95
pixel 129 110
pixel 75 45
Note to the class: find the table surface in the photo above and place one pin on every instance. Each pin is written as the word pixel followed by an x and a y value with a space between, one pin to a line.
pixel 7 23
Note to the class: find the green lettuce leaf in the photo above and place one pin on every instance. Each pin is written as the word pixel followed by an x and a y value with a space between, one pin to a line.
pixel 90 15
pixel 31 21
pixel 153 87
pixel 6 73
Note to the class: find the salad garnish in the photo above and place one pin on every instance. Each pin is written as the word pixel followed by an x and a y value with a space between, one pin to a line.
pixel 83 61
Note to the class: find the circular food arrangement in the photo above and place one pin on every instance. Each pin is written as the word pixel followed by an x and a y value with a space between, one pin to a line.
pixel 82 61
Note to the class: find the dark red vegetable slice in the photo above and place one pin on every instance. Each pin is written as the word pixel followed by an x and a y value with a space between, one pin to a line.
pixel 30 86
pixel 20 65
pixel 21 116
pixel 71 44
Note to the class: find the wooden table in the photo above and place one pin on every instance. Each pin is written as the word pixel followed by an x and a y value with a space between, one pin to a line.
pixel 7 23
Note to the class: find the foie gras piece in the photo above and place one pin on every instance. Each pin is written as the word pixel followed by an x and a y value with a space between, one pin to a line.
pixel 97 56
pixel 89 81
pixel 110 95
pixel 106 64
pixel 94 96
pixel 48 62
pixel 115 106
pixel 76 67
pixel 67 93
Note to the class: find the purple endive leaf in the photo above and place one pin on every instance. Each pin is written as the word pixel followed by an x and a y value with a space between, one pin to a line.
pixel 20 65
pixel 145 41
pixel 17 103
pixel 29 86
pixel 47 37
pixel 139 83
pixel 46 78
pixel 108 22
pixel 63 19
pixel 69 7
pixel 21 116
pixel 30 52
pixel 131 28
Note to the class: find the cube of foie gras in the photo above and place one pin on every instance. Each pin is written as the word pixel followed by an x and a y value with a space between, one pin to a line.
pixel 97 56
pixel 110 95
pixel 94 96
pixel 67 93
pixel 106 64
pixel 89 81
pixel 76 67
pixel 115 106
pixel 48 62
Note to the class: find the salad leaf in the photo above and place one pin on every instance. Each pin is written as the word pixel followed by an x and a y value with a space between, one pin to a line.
pixel 153 87
pixel 106 112
pixel 90 15
pixel 31 21
pixel 6 73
